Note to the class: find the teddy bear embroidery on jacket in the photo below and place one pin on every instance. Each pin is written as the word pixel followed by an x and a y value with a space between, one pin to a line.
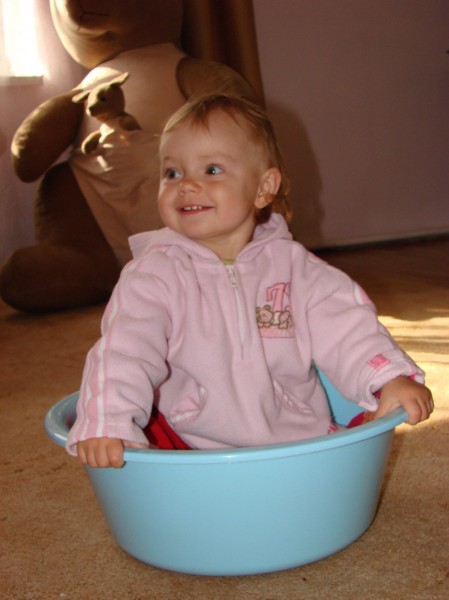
pixel 274 317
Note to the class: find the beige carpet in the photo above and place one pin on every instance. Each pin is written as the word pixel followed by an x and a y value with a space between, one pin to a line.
pixel 54 543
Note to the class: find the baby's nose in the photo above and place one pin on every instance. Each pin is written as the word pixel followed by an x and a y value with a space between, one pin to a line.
pixel 188 185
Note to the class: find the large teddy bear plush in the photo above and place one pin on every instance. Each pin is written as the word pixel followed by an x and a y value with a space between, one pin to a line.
pixel 88 205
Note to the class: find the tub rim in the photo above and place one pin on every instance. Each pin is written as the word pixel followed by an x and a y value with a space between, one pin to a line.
pixel 57 430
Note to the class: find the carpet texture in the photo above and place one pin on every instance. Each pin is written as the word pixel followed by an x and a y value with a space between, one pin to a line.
pixel 55 544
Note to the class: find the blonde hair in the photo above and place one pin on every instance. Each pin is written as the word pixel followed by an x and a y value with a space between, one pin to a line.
pixel 196 113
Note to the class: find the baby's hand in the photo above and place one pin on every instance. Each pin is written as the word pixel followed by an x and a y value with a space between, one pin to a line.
pixel 104 452
pixel 414 397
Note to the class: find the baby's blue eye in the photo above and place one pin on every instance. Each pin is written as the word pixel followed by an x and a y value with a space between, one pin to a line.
pixel 171 174
pixel 213 170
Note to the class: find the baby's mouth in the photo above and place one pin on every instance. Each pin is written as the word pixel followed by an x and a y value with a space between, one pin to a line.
pixel 193 208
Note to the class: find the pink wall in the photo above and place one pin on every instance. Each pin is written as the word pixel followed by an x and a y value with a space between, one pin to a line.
pixel 359 94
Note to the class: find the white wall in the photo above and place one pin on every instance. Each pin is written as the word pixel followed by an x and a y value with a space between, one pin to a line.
pixel 17 101
pixel 358 91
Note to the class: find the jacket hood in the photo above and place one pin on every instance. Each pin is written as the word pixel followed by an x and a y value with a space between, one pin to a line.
pixel 274 228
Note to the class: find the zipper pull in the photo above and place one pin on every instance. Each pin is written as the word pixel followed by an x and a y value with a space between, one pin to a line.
pixel 232 277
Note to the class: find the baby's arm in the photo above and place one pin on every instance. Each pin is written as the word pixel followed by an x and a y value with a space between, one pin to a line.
pixel 104 452
pixel 414 397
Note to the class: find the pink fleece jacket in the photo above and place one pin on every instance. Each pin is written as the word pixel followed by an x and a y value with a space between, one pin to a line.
pixel 227 351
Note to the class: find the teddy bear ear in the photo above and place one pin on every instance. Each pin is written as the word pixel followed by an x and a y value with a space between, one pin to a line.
pixel 78 98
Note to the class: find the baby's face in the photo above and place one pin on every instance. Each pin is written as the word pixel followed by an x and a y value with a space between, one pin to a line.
pixel 211 180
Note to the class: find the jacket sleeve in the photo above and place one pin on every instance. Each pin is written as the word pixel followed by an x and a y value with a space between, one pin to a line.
pixel 348 342
pixel 126 364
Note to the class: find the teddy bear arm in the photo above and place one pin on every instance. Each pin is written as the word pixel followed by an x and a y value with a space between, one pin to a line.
pixel 42 137
pixel 90 144
pixel 197 77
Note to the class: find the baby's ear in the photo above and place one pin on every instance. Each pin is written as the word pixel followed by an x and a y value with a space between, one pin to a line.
pixel 268 187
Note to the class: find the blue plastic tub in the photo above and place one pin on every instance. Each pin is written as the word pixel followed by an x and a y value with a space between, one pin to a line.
pixel 245 511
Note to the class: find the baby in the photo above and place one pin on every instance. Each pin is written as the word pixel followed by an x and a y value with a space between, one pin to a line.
pixel 220 318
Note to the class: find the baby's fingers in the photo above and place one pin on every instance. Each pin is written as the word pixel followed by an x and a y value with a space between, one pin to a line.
pixel 114 454
pixel 101 452
pixel 422 408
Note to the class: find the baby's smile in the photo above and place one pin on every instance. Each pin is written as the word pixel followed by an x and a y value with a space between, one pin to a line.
pixel 193 208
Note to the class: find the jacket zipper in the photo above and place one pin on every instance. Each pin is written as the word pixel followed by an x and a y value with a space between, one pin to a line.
pixel 238 303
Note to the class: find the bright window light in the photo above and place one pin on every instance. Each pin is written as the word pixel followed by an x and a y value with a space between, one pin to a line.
pixel 19 56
